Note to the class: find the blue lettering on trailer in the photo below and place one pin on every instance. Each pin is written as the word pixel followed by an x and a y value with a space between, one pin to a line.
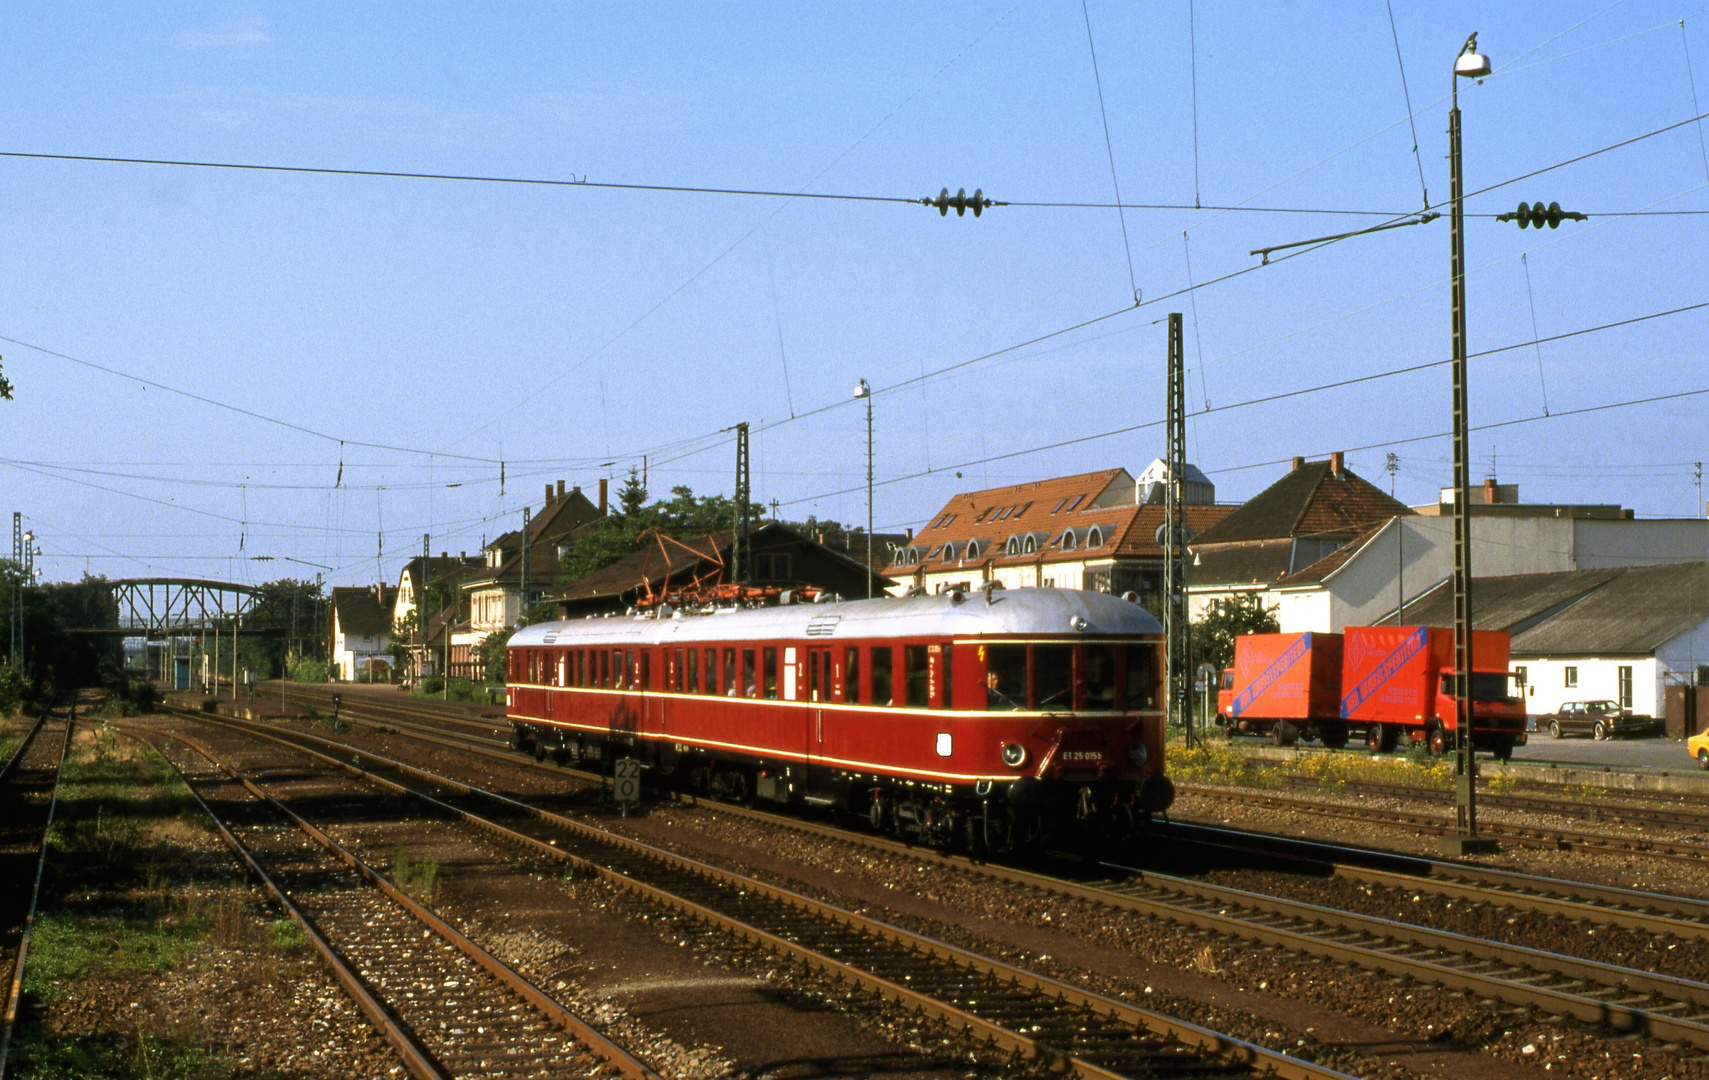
pixel 1278 667
pixel 1383 672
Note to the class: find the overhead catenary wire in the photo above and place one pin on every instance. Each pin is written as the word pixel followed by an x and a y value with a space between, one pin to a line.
pixel 1407 95
pixel 1535 334
pixel 1109 149
pixel 1691 78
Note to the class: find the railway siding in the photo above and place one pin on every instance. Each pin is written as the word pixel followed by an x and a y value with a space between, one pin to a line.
pixel 1031 1015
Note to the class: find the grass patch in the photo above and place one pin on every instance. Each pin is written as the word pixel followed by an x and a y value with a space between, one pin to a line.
pixel 1220 763
pixel 417 876
pixel 66 947
pixel 461 689
pixel 142 1056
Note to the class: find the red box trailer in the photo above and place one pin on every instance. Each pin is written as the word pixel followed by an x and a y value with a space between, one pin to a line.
pixel 1400 680
pixel 1380 681
pixel 1285 685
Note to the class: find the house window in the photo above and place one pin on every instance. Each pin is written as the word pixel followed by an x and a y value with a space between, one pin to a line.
pixel 983 514
pixel 1076 501
pixel 1703 674
pixel 1519 676
pixel 1095 538
pixel 1013 546
pixel 973 549
pixel 1024 508
pixel 949 553
pixel 1029 545
pixel 1625 672
pixel 1058 506
pixel 1068 540
pixel 1571 677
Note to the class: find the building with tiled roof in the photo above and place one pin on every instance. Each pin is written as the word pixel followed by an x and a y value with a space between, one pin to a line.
pixel 1317 508
pixel 1086 531
pixel 359 632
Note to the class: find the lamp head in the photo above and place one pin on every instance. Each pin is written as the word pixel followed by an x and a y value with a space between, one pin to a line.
pixel 1471 64
pixel 863 390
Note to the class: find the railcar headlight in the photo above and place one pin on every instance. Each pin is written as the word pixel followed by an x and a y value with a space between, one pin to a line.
pixel 1014 755
pixel 1138 753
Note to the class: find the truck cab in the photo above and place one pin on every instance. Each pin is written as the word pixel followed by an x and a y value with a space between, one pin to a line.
pixel 1498 714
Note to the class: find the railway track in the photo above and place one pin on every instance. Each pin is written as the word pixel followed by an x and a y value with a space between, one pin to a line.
pixel 449 1008
pixel 1619 813
pixel 1032 1016
pixel 1622 998
pixel 26 828
pixel 1537 836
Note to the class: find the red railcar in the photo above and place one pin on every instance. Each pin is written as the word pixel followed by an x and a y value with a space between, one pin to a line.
pixel 987 719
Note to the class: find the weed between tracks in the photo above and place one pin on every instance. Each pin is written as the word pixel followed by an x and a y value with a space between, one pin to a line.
pixel 419 877
pixel 1223 764
pixel 146 936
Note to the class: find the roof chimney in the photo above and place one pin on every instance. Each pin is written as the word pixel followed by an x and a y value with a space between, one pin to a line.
pixel 444 554
pixel 1491 497
pixel 1299 463
pixel 548 494
pixel 1335 463
pixel 560 489
pixel 602 502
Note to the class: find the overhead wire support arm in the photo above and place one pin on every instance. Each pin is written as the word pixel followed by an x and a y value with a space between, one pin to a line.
pixel 1421 219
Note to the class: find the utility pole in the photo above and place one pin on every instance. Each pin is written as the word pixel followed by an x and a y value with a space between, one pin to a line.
pixel 421 608
pixel 1393 465
pixel 16 622
pixel 1176 631
pixel 741 554
pixel 864 391
pixel 527 527
pixel 1465 840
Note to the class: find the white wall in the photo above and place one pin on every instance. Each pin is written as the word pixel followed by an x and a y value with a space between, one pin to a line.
pixel 1598 678
pixel 1363 590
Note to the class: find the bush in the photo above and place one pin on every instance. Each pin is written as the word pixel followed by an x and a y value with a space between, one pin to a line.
pixel 433 684
pixel 12 689
pixel 313 671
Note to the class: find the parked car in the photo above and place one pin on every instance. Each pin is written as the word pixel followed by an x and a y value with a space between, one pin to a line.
pixel 1598 719
pixel 1698 747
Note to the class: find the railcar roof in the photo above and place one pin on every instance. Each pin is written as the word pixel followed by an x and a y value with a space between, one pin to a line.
pixel 1009 612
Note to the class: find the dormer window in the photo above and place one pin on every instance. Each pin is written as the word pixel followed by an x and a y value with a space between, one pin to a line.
pixel 972 549
pixel 949 553
pixel 1095 538
pixel 1068 540
pixel 1029 546
pixel 1013 547
pixel 913 556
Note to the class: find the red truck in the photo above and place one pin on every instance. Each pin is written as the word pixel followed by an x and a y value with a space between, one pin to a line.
pixel 1381 681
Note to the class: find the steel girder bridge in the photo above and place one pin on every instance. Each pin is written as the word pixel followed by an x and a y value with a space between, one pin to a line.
pixel 157 608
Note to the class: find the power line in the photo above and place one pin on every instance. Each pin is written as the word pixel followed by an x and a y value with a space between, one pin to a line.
pixel 1121 215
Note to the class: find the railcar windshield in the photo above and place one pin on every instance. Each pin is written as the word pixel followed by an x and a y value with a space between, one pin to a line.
pixel 1053 677
pixel 1100 677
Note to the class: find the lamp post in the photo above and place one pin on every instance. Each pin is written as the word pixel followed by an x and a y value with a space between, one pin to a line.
pixel 1469 64
pixel 864 392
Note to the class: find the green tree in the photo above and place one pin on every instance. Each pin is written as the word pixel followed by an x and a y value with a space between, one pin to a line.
pixel 1225 620
pixel 5 387
pixel 493 655
pixel 294 615
pixel 684 515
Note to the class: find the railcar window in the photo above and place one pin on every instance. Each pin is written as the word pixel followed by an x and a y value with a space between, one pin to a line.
pixel 620 668
pixel 813 675
pixel 949 676
pixel 1005 677
pixel 711 684
pixel 1099 675
pixel 914 676
pixel 1141 677
pixel 581 667
pixel 693 671
pixel 604 668
pixel 748 687
pixel 771 674
pixel 679 674
pixel 851 675
pixel 644 674
pixel 882 674
pixel 1053 676
pixel 730 687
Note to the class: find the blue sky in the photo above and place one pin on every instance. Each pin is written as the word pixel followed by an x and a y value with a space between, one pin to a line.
pixel 560 328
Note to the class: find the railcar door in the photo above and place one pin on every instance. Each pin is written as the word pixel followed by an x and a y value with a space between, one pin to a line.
pixel 818 693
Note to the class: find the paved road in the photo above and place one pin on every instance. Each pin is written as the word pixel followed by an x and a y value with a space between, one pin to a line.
pixel 1653 753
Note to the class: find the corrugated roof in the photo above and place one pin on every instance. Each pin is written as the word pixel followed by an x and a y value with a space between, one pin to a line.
pixel 1312 500
pixel 1620 611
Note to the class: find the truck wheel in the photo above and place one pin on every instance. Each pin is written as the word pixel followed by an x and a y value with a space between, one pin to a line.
pixel 1283 733
pixel 1436 739
pixel 1381 738
pixel 1703 760
pixel 1333 734
pixel 1502 749
pixel 1599 732
pixel 1554 729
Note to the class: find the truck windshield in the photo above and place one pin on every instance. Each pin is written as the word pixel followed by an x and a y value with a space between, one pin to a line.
pixel 1486 686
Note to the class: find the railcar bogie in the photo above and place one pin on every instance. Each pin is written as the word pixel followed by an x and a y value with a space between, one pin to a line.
pixel 987 724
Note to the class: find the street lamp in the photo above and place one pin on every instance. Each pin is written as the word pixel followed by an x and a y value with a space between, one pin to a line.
pixel 864 392
pixel 1469 64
